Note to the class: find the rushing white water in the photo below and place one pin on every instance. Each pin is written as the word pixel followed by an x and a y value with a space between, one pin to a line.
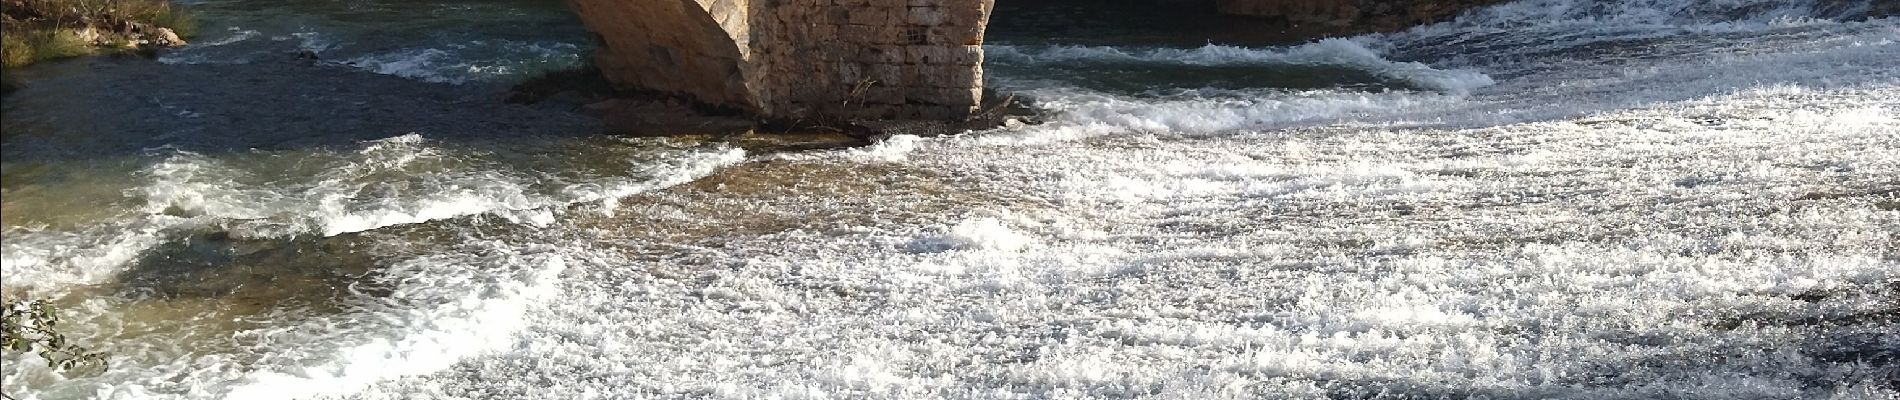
pixel 1625 199
pixel 1328 52
pixel 466 62
pixel 387 182
pixel 430 308
pixel 442 309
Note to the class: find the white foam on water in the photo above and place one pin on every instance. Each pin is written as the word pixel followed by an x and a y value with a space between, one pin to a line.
pixel 395 181
pixel 890 149
pixel 52 258
pixel 474 61
pixel 1667 237
pixel 219 50
pixel 352 196
pixel 236 35
pixel 664 173
pixel 194 52
pixel 335 201
pixel 439 309
pixel 1555 259
pixel 1682 226
pixel 426 64
pixel 1327 52
pixel 1081 114
pixel 1608 19
pixel 1510 30
pixel 311 41
pixel 446 308
pixel 975 234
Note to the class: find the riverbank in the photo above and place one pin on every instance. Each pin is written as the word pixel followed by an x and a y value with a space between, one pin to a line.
pixel 39 30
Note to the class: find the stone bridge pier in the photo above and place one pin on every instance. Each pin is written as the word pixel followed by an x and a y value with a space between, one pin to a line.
pixel 875 59
pixel 799 59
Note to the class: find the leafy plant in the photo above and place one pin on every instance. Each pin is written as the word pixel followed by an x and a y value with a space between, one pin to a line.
pixel 14 50
pixel 33 325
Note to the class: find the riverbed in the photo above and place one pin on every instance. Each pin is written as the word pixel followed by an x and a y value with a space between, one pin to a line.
pixel 1541 199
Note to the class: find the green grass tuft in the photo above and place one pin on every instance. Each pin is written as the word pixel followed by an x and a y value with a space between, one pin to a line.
pixel 22 48
pixel 180 22
pixel 40 30
pixel 14 50
pixel 57 44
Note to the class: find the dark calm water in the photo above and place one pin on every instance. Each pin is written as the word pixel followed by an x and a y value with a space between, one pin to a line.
pixel 1543 199
pixel 436 41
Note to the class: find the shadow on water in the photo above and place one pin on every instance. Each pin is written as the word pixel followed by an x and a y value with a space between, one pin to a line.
pixel 443 39
pixel 1135 23
pixel 259 283
pixel 303 271
pixel 116 107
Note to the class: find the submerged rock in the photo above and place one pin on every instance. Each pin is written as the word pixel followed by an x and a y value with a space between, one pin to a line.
pixel 165 37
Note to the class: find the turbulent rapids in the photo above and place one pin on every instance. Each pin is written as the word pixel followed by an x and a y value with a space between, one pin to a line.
pixel 1542 199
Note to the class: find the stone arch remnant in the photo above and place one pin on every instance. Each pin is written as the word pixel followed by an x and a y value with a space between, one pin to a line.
pixel 797 59
pixel 873 59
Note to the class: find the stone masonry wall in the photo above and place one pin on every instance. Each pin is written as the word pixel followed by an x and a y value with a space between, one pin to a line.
pixel 1353 15
pixel 799 59
pixel 674 46
pixel 870 59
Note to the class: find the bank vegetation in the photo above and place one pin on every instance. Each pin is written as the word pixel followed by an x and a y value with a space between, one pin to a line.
pixel 38 30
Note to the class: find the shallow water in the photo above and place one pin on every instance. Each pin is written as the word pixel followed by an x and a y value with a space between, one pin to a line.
pixel 1545 199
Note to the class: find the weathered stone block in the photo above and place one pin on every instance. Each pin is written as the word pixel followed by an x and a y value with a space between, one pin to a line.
pixel 944 55
pixel 874 15
pixel 888 74
pixel 881 94
pixel 849 72
pixel 944 76
pixel 794 58
pixel 886 54
pixel 927 16
pixel 956 35
pixel 871 34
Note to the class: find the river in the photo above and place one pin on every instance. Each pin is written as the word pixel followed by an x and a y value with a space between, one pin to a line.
pixel 1541 199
